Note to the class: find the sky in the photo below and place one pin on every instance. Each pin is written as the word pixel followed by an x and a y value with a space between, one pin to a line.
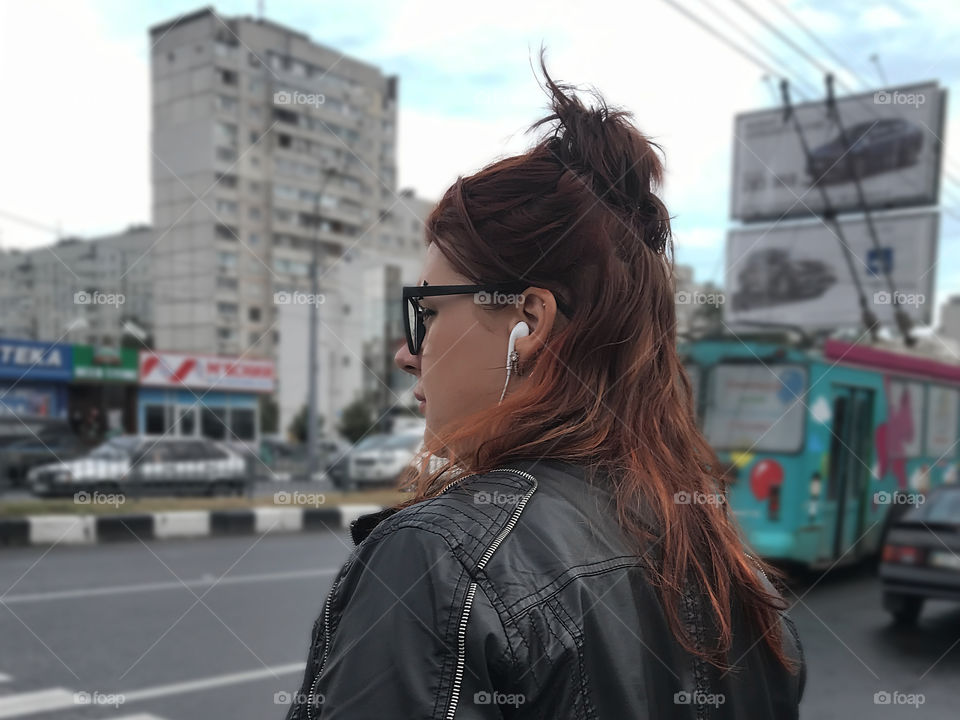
pixel 74 75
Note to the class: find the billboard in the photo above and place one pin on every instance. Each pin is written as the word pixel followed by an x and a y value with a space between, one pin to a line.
pixel 893 145
pixel 796 273
pixel 203 372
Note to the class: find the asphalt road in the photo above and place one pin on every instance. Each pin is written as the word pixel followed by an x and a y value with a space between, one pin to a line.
pixel 215 628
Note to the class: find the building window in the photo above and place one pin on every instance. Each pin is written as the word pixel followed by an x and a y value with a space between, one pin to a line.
pixel 243 423
pixel 226 283
pixel 226 259
pixel 213 422
pixel 226 154
pixel 254 314
pixel 227 308
pixel 154 420
pixel 227 77
pixel 226 181
pixel 226 104
pixel 224 232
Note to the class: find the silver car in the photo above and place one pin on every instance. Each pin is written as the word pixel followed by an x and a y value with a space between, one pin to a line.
pixel 381 458
pixel 146 465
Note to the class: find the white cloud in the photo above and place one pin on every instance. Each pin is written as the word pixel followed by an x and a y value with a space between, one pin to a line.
pixel 74 143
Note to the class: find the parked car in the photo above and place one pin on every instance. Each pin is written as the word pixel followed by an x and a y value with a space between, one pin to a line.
pixel 24 453
pixel 876 146
pixel 134 464
pixel 921 555
pixel 380 458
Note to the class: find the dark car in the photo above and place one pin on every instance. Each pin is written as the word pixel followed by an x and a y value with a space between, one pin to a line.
pixel 921 555
pixel 19 456
pixel 876 147
pixel 771 277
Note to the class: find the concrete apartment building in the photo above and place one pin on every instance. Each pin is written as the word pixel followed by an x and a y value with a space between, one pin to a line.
pixel 78 290
pixel 266 144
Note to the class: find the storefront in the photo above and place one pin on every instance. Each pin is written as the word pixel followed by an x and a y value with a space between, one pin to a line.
pixel 185 395
pixel 104 389
pixel 34 378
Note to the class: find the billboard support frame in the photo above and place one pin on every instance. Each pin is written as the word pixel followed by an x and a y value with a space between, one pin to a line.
pixel 828 214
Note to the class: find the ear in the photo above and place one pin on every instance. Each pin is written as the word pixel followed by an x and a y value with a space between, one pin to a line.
pixel 538 308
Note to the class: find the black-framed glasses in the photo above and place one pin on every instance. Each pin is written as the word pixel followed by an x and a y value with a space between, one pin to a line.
pixel 413 312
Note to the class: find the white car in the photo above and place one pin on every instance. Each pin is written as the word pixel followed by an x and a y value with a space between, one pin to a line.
pixel 140 464
pixel 381 458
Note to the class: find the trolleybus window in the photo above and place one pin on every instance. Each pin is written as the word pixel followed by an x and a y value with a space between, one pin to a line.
pixel 754 406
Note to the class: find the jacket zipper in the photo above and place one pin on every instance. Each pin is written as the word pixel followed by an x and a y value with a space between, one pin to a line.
pixel 472 590
pixel 465 614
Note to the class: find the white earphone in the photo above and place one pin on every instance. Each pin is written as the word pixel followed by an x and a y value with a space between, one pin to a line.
pixel 521 329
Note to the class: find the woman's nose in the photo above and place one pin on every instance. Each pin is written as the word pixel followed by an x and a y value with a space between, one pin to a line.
pixel 407 361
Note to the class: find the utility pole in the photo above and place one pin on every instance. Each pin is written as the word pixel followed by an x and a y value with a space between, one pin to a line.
pixel 326 173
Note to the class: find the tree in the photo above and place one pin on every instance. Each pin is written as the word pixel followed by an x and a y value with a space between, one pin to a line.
pixel 297 429
pixel 356 421
pixel 269 414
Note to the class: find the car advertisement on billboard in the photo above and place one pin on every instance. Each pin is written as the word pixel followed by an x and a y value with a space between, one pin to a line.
pixel 891 141
pixel 797 273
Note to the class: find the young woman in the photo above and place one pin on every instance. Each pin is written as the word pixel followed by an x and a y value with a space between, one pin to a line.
pixel 573 556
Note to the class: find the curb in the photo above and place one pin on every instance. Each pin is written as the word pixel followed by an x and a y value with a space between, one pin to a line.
pixel 67 529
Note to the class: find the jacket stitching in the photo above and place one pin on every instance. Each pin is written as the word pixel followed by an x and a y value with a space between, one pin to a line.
pixel 496 601
pixel 589 711
pixel 572 578
pixel 575 679
pixel 545 655
pixel 701 682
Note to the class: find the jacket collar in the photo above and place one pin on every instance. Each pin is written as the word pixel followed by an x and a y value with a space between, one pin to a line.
pixel 363 525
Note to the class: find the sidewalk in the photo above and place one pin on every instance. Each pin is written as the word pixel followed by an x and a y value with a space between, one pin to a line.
pixel 85 529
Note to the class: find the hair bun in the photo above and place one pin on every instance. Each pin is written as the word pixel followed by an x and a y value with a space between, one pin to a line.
pixel 603 147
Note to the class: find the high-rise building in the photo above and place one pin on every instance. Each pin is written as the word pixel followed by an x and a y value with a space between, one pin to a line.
pixel 266 146
pixel 79 290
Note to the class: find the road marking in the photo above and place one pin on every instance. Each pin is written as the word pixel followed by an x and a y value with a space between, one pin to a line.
pixel 202 582
pixel 36 701
pixel 212 682
pixel 29 703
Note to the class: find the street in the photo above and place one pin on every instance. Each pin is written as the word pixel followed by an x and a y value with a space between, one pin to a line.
pixel 191 630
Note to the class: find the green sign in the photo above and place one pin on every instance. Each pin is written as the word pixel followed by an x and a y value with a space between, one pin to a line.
pixel 105 364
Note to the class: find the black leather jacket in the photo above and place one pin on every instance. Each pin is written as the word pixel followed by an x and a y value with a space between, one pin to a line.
pixel 514 594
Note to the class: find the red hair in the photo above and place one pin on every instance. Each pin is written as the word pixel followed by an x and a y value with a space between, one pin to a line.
pixel 577 215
